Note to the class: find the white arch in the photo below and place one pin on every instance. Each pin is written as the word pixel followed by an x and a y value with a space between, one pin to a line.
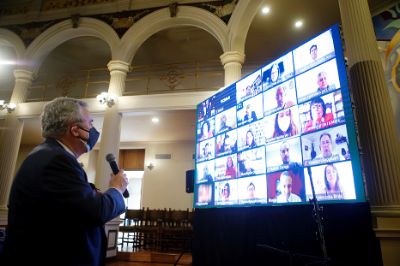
pixel 63 31
pixel 240 22
pixel 9 38
pixel 160 20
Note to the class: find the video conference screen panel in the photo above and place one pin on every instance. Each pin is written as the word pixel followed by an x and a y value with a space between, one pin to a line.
pixel 279 132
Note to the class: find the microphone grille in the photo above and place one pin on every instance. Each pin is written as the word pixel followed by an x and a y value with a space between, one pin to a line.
pixel 110 157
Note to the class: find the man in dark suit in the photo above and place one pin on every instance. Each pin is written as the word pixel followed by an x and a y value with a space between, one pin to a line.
pixel 55 216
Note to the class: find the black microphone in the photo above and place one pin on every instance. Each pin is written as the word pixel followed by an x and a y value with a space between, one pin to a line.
pixel 110 158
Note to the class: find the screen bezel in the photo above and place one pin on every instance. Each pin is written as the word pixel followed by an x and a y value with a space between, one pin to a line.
pixel 349 123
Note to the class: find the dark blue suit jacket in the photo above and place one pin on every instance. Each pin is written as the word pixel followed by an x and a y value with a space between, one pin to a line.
pixel 55 217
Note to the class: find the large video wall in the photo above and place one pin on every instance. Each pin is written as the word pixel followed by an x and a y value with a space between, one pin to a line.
pixel 263 139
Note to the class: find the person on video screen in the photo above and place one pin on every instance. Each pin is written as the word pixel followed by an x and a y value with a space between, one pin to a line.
pixel 223 124
pixel 332 184
pixel 314 52
pixel 207 177
pixel 250 114
pixel 284 151
pixel 251 191
pixel 206 131
pixel 280 97
pixel 205 109
pixel 322 81
pixel 326 146
pixel 318 115
pixel 245 168
pixel 284 124
pixel 204 193
pixel 274 75
pixel 230 168
pixel 227 145
pixel 250 141
pixel 206 152
pixel 286 189
pixel 226 192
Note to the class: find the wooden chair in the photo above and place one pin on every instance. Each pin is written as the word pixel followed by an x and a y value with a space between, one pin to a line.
pixel 177 233
pixel 154 222
pixel 132 228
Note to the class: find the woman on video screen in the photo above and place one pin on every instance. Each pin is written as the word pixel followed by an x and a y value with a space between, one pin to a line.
pixel 318 115
pixel 206 131
pixel 250 142
pixel 274 75
pixel 230 168
pixel 331 178
pixel 226 192
pixel 284 124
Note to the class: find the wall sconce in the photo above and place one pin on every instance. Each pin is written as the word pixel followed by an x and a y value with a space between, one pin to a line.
pixel 9 106
pixel 150 166
pixel 106 98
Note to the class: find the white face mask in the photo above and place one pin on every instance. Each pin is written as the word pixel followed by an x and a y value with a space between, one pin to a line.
pixel 284 123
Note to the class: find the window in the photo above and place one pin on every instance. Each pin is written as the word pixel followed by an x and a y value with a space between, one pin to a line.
pixel 135 189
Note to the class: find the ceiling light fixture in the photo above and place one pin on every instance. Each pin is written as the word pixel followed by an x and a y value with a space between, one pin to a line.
pixel 155 120
pixel 298 24
pixel 9 106
pixel 265 10
pixel 107 98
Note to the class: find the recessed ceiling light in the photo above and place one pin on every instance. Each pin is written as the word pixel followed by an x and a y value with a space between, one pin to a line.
pixel 155 120
pixel 298 24
pixel 265 10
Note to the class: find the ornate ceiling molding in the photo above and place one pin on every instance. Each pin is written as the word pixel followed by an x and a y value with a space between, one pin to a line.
pixel 120 21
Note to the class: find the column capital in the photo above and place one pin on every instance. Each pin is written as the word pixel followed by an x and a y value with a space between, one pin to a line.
pixel 23 74
pixel 117 65
pixel 23 80
pixel 232 57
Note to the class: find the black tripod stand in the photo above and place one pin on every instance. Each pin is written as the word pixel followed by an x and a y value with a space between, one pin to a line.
pixel 317 217
pixel 295 258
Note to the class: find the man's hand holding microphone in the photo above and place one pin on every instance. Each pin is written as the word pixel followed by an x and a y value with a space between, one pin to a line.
pixel 118 179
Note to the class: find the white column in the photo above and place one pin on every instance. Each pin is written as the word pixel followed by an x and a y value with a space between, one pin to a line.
pixel 111 131
pixel 11 136
pixel 376 125
pixel 232 62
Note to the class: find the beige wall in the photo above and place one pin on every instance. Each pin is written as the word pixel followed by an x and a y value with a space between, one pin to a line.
pixel 165 185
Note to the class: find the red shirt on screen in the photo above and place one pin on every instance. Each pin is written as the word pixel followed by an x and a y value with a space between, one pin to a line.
pixel 325 121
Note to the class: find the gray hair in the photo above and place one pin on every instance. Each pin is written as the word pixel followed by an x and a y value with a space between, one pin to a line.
pixel 58 114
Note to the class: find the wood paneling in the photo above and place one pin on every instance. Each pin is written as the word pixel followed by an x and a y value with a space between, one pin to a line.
pixel 132 160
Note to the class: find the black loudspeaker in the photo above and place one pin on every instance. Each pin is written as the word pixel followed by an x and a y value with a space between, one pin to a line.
pixel 190 181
